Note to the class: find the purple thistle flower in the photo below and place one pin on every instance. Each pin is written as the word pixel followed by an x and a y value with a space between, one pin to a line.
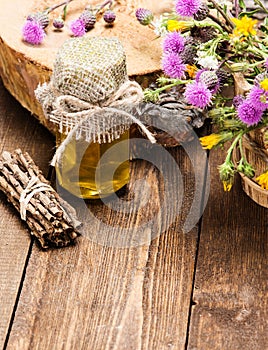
pixel 173 42
pixel 173 66
pixel 238 100
pixel 33 33
pixel 78 27
pixel 187 8
pixel 258 98
pixel 198 94
pixel 249 114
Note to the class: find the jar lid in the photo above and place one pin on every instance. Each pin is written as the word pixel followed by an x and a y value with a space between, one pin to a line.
pixel 90 68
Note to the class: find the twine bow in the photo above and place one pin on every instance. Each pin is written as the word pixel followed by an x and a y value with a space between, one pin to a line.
pixel 34 186
pixel 70 113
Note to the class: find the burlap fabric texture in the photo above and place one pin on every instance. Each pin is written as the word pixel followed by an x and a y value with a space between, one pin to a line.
pixel 88 89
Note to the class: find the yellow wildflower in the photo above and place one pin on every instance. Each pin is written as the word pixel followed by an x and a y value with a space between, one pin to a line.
pixel 263 180
pixel 191 70
pixel 181 26
pixel 244 26
pixel 264 84
pixel 227 186
pixel 210 141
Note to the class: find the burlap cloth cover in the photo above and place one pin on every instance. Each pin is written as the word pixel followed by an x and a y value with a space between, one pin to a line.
pixel 88 89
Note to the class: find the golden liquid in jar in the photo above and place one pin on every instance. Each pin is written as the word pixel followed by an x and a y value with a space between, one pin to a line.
pixel 77 173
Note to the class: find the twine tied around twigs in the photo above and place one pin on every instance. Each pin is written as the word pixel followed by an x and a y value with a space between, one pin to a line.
pixel 34 186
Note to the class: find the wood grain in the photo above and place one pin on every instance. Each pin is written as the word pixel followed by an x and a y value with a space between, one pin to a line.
pixel 17 129
pixel 99 297
pixel 231 293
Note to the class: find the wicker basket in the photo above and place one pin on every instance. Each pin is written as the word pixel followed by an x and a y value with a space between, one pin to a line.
pixel 257 155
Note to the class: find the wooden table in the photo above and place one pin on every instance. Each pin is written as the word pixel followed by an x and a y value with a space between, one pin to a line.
pixel 201 290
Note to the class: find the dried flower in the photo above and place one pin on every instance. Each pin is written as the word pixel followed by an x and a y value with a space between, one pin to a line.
pixel 188 55
pixel 198 94
pixel 202 12
pixel 223 76
pixel 172 65
pixel 173 42
pixel 187 8
pixel 33 33
pixel 203 34
pixel 109 16
pixel 78 27
pixel 144 16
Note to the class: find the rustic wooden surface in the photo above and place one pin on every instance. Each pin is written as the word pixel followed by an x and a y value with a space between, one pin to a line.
pixel 198 291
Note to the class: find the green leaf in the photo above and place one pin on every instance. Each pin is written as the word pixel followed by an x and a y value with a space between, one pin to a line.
pixel 242 4
pixel 248 13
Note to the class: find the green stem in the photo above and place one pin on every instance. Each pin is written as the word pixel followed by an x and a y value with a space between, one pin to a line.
pixel 258 2
pixel 233 145
pixel 216 20
pixel 257 51
pixel 208 24
pixel 243 158
pixel 52 8
pixel 178 82
pixel 220 10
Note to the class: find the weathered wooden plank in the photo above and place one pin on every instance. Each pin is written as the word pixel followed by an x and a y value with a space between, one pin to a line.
pixel 17 129
pixel 92 296
pixel 231 292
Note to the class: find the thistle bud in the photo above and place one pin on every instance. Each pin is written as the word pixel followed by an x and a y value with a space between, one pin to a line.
pixel 89 19
pixel 239 67
pixel 209 78
pixel 202 13
pixel 58 23
pixel 39 17
pixel 144 16
pixel 188 54
pixel 109 16
pixel 223 76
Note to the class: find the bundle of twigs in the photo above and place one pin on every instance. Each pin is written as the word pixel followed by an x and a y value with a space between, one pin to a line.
pixel 51 220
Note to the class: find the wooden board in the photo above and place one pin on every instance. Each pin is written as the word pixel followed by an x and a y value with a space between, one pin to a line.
pixel 230 291
pixel 98 297
pixel 23 66
pixel 17 129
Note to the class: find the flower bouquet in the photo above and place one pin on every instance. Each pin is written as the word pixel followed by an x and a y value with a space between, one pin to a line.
pixel 208 46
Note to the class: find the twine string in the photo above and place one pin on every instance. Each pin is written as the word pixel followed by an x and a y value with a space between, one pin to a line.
pixel 34 186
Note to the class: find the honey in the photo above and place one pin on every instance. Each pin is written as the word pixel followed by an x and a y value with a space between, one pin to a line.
pixel 94 170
